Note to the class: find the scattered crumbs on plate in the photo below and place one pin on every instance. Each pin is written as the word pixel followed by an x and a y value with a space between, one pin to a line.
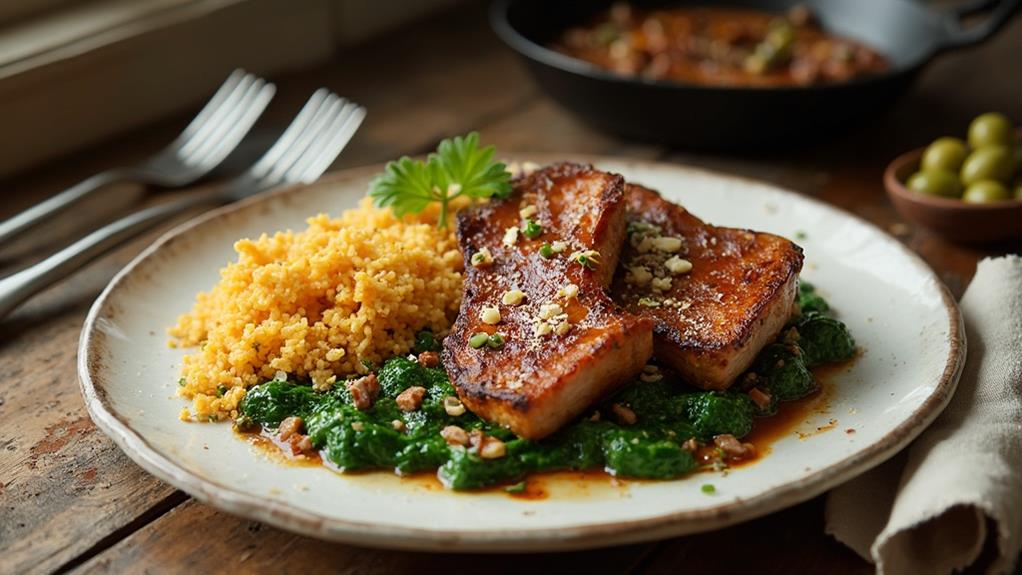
pixel 770 208
pixel 708 488
pixel 274 491
pixel 801 235
pixel 850 431
pixel 301 487
pixel 852 410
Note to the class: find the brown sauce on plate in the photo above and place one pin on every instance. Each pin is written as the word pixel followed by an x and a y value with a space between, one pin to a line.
pixel 792 418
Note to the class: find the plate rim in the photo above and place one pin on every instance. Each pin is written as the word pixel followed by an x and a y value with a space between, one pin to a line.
pixel 597 534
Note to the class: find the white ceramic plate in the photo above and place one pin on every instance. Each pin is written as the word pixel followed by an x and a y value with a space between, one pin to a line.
pixel 896 308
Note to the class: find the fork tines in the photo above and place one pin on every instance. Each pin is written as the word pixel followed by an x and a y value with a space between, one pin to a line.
pixel 310 143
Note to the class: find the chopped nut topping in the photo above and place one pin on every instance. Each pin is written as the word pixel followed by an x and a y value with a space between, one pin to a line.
pixel 528 211
pixel 648 302
pixel 453 406
pixel 661 284
pixel 549 310
pixel 624 414
pixel 398 425
pixel 760 397
pixel 512 297
pixel 557 246
pixel 510 236
pixel 490 315
pixel 364 391
pixel 667 244
pixel 791 336
pixel 638 275
pixel 677 265
pixel 454 435
pixel 690 444
pixel 650 377
pixel 562 328
pixel 522 169
pixel 482 258
pixel 569 291
pixel 410 399
pixel 289 427
pixel 475 438
pixel 429 359
pixel 541 329
pixel 492 448
pixel 733 448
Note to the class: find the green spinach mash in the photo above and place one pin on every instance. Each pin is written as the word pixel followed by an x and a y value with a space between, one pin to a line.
pixel 668 415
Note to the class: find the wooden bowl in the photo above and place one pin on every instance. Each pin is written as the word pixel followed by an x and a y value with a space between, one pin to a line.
pixel 953 219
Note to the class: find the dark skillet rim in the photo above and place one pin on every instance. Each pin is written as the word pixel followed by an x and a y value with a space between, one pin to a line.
pixel 599 534
pixel 541 54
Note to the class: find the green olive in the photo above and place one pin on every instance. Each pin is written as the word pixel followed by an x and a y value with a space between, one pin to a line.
pixel 990 129
pixel 935 183
pixel 985 191
pixel 987 163
pixel 944 154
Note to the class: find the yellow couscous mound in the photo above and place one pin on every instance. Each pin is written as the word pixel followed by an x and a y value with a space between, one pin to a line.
pixel 318 304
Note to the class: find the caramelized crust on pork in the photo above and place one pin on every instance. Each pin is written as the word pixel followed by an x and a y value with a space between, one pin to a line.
pixel 711 320
pixel 543 377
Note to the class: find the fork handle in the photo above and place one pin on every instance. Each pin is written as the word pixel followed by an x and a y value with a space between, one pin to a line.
pixel 18 287
pixel 36 214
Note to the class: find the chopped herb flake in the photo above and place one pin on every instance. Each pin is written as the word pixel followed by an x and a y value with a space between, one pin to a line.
pixel 478 340
pixel 532 230
pixel 495 341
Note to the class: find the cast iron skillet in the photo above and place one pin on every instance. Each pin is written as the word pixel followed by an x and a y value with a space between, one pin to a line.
pixel 742 118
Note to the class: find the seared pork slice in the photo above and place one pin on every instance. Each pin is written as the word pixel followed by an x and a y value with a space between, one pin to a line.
pixel 717 295
pixel 552 342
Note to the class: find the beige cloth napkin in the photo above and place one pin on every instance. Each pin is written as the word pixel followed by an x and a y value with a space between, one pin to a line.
pixel 932 508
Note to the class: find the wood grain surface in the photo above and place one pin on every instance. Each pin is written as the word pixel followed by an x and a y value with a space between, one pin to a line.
pixel 71 501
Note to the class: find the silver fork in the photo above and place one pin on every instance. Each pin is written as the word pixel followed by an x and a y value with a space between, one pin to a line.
pixel 303 152
pixel 214 133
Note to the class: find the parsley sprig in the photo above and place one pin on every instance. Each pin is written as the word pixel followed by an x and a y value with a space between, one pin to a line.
pixel 457 168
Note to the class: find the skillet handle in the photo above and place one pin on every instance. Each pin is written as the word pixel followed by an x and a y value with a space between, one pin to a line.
pixel 958 37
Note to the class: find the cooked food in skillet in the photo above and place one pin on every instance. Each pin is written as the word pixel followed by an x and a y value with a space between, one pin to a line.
pixel 498 351
pixel 719 46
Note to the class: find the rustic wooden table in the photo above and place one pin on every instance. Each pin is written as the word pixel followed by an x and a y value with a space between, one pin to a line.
pixel 71 501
